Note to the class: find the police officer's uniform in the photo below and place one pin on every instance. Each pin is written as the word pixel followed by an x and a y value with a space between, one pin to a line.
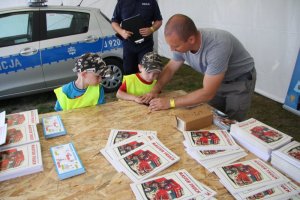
pixel 132 52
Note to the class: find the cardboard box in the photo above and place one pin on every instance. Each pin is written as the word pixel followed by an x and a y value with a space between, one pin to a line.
pixel 194 118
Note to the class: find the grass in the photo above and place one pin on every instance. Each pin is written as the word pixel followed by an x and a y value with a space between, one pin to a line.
pixel 262 109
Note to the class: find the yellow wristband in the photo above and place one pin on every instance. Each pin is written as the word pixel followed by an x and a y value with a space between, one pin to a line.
pixel 152 29
pixel 172 103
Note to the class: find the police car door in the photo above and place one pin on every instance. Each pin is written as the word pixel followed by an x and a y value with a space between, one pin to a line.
pixel 20 69
pixel 69 34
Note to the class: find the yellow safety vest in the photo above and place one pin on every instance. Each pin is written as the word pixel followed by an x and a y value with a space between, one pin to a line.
pixel 135 86
pixel 89 98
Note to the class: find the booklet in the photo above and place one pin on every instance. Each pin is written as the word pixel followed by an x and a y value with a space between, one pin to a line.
pixel 209 140
pixel 27 117
pixel 53 126
pixel 290 153
pixel 117 135
pixel 175 185
pixel 20 161
pixel 142 163
pixel 221 120
pixel 258 133
pixel 253 175
pixel 19 135
pixel 284 191
pixel 66 161
pixel 115 152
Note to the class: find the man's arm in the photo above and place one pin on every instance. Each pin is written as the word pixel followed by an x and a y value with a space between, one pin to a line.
pixel 124 33
pixel 210 87
pixel 149 30
pixel 166 75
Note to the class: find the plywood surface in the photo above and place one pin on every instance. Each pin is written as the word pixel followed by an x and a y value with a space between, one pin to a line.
pixel 88 129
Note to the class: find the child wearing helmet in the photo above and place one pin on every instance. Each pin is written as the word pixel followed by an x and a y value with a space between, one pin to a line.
pixel 86 90
pixel 136 85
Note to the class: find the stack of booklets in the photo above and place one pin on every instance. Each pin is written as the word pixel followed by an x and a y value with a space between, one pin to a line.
pixel 212 148
pixel 53 126
pixel 255 178
pixel 137 153
pixel 21 153
pixel 287 160
pixel 222 120
pixel 176 185
pixel 67 161
pixel 258 137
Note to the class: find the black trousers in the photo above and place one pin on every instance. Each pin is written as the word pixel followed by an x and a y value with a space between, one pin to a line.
pixel 133 54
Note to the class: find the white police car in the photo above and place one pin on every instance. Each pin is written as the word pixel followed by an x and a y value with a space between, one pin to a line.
pixel 39 45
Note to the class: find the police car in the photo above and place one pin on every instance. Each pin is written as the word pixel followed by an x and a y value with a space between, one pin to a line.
pixel 39 45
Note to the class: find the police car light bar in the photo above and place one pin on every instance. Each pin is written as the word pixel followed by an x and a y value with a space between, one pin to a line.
pixel 37 3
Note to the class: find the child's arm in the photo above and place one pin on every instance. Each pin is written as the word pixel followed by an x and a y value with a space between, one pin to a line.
pixel 129 97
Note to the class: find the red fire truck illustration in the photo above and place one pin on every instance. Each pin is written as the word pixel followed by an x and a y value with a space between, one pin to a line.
pixel 295 152
pixel 13 135
pixel 122 135
pixel 142 162
pixel 242 174
pixel 162 188
pixel 261 195
pixel 15 119
pixel 10 159
pixel 205 138
pixel 129 147
pixel 266 134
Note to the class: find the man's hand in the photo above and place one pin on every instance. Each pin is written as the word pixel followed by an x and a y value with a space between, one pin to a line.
pixel 126 34
pixel 146 98
pixel 145 31
pixel 159 104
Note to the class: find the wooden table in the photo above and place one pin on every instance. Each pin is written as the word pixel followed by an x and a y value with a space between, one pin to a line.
pixel 88 129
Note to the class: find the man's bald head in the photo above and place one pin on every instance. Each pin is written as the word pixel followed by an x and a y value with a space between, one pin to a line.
pixel 181 25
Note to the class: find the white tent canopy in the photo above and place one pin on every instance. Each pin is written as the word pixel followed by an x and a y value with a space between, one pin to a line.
pixel 269 29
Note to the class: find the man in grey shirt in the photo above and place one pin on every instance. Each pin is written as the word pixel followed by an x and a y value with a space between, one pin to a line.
pixel 228 68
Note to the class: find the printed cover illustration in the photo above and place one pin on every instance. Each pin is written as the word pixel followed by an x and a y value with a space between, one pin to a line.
pixel 53 126
pixel 66 161
pixel 14 135
pixel 266 134
pixel 129 147
pixel 162 188
pixel 295 152
pixel 27 117
pixel 142 162
pixel 122 135
pixel 241 174
pixel 11 158
pixel 175 185
pixel 211 152
pixel 204 138
pixel 261 195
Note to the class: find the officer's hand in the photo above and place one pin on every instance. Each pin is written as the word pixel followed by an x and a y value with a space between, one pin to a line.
pixel 126 34
pixel 145 31
pixel 159 104
pixel 146 98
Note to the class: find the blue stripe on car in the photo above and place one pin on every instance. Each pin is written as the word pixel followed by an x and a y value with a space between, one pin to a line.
pixel 14 63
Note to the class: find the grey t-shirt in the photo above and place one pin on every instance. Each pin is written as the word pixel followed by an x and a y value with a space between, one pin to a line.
pixel 220 52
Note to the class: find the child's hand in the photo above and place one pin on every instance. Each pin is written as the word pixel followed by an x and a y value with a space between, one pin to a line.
pixel 138 100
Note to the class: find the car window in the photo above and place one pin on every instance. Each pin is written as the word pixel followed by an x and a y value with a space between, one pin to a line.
pixel 61 23
pixel 16 28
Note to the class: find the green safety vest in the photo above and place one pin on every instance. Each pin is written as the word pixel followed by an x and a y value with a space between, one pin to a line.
pixel 136 87
pixel 89 98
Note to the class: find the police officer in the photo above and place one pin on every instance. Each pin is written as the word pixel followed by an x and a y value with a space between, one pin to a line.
pixel 150 13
